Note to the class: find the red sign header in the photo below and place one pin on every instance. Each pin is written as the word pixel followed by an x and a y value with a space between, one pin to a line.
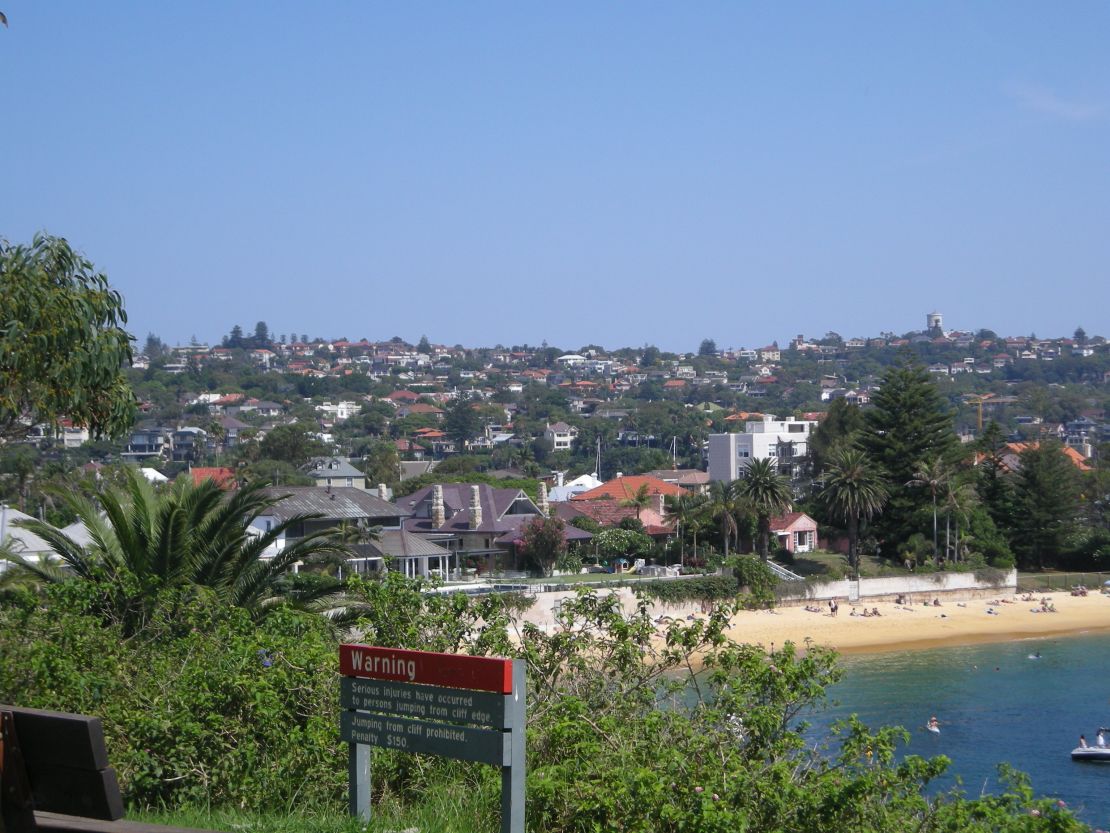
pixel 447 670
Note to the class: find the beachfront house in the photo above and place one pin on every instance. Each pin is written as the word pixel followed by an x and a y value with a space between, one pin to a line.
pixel 795 532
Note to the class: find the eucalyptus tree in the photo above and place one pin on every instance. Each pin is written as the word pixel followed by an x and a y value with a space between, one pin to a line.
pixel 854 490
pixel 142 543
pixel 63 346
pixel 768 493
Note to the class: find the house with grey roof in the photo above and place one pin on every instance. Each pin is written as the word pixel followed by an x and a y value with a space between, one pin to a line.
pixel 355 511
pixel 480 524
pixel 335 471
pixel 21 542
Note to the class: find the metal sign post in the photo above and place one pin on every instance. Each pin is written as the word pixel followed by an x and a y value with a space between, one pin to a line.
pixel 467 708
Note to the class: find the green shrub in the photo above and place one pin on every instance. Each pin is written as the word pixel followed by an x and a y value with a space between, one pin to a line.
pixel 699 589
pixel 754 574
pixel 204 706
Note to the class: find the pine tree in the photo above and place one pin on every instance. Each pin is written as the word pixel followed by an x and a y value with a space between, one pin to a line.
pixel 1047 502
pixel 840 426
pixel 909 423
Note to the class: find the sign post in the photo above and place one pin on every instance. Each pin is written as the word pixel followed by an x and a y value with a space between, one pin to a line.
pixel 467 708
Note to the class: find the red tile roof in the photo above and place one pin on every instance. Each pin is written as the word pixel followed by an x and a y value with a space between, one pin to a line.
pixel 784 522
pixel 1076 457
pixel 623 488
pixel 221 476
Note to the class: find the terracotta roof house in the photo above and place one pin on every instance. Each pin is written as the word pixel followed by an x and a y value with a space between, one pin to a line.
pixel 622 489
pixel 692 480
pixel 610 513
pixel 222 476
pixel 1010 456
pixel 795 531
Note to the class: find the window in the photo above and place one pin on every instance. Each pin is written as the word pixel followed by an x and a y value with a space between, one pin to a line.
pixel 796 429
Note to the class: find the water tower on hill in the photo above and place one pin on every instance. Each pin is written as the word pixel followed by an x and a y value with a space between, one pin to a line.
pixel 934 321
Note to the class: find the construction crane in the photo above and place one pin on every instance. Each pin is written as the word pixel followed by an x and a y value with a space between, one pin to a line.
pixel 977 400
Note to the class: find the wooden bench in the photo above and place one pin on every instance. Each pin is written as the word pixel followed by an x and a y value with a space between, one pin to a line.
pixel 55 776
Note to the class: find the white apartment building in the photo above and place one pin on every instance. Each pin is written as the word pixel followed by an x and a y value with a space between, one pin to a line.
pixel 339 411
pixel 783 440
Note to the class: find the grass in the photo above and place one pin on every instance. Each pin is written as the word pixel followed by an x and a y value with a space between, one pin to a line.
pixel 449 805
pixel 441 812
pixel 835 565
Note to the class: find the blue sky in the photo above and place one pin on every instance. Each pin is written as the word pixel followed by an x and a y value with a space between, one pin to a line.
pixel 618 174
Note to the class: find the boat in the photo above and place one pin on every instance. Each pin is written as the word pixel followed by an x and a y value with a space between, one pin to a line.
pixel 934 729
pixel 1091 754
pixel 1094 754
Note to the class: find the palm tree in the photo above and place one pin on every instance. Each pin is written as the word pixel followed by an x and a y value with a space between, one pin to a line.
pixel 958 500
pixel 639 501
pixel 680 510
pixel 854 490
pixel 722 507
pixel 934 477
pixel 143 543
pixel 769 495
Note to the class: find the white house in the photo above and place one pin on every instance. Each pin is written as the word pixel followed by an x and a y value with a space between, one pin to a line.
pixel 784 440
pixel 571 360
pixel 560 436
pixel 339 411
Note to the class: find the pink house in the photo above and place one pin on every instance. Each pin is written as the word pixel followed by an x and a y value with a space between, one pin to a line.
pixel 795 531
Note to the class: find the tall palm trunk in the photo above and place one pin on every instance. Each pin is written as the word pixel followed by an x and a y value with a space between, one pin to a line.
pixel 853 544
pixel 934 525
pixel 764 536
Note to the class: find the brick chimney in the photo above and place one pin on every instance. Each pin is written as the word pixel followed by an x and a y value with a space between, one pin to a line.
pixel 383 492
pixel 542 503
pixel 475 507
pixel 439 517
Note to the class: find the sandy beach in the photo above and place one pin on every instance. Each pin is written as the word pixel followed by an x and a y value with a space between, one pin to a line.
pixel 901 627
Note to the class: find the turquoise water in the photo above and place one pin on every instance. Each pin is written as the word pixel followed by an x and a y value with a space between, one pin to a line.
pixel 995 705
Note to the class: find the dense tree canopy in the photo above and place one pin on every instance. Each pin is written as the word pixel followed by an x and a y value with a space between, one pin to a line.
pixel 1047 503
pixel 63 348
pixel 909 423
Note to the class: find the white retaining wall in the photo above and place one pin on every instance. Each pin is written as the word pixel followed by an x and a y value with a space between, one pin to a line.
pixel 952 586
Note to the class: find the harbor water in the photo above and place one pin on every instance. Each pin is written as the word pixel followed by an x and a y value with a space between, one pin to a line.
pixel 996 703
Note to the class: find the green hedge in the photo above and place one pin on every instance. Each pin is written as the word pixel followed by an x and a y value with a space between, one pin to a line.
pixel 701 589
